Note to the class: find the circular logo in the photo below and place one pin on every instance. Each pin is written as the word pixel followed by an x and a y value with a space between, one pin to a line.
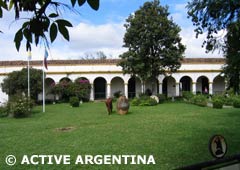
pixel 218 146
pixel 10 160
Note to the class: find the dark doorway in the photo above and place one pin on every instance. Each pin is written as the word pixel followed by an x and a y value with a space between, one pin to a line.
pixel 132 87
pixel 165 86
pixel 99 88
pixel 205 85
pixel 186 83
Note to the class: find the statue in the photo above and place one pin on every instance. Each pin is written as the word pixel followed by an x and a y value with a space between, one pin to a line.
pixel 108 103
pixel 122 105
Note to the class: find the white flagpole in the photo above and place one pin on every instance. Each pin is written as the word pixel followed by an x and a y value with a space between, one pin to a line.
pixel 43 93
pixel 28 68
pixel 43 70
pixel 29 57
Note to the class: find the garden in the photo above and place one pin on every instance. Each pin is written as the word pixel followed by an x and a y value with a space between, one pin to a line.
pixel 176 132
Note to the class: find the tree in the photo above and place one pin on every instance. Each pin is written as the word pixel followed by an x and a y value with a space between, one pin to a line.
pixel 79 88
pixel 101 55
pixel 215 16
pixel 211 17
pixel 232 54
pixel 153 42
pixel 16 83
pixel 46 17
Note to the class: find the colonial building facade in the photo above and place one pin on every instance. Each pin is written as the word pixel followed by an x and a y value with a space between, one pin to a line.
pixel 202 75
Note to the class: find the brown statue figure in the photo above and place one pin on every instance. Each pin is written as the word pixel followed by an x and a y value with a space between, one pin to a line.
pixel 108 103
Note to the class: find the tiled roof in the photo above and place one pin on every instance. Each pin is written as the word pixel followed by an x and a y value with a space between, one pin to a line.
pixel 203 61
pixel 105 62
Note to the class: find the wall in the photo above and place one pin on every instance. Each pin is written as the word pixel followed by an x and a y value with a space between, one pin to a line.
pixel 194 68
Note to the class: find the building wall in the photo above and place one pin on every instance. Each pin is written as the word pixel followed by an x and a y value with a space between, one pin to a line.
pixel 117 84
pixel 171 88
pixel 3 96
pixel 116 80
pixel 218 85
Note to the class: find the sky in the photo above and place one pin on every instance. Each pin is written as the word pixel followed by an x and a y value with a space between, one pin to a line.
pixel 95 31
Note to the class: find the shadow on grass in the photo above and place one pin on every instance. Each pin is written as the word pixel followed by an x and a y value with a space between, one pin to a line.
pixel 115 113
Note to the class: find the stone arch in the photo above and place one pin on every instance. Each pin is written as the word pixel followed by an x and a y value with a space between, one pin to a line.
pixel 65 79
pixel 54 78
pixel 134 87
pixel 218 84
pixel 117 85
pixel 202 85
pixel 186 83
pixel 49 84
pixel 81 78
pixel 169 86
pixel 100 88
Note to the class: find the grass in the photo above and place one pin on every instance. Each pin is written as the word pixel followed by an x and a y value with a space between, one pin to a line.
pixel 176 134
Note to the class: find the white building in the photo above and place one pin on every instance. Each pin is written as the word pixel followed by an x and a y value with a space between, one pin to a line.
pixel 105 77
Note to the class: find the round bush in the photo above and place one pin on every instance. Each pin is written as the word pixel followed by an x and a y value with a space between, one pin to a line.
pixel 74 102
pixel 187 95
pixel 20 107
pixel 148 102
pixel 228 101
pixel 20 110
pixel 152 102
pixel 161 97
pixel 135 102
pixel 236 102
pixel 144 101
pixel 217 103
pixel 199 100
pixel 143 97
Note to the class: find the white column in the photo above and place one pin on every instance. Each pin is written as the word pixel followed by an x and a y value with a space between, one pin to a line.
pixel 194 87
pixel 92 92
pixel 126 89
pixel 177 88
pixel 142 85
pixel 226 85
pixel 210 87
pixel 160 88
pixel 108 90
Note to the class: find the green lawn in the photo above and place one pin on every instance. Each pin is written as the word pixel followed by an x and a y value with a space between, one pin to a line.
pixel 176 134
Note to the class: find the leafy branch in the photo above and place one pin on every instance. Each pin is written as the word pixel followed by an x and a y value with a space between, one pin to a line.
pixel 41 23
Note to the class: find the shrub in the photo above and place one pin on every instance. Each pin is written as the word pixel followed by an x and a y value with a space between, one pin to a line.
pixel 144 101
pixel 228 100
pixel 151 102
pixel 74 101
pixel 117 94
pixel 230 92
pixel 217 103
pixel 19 106
pixel 162 98
pixel 187 95
pixel 148 102
pixel 236 102
pixel 142 95
pixel 199 100
pixel 3 111
pixel 80 88
pixel 178 98
pixel 135 102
